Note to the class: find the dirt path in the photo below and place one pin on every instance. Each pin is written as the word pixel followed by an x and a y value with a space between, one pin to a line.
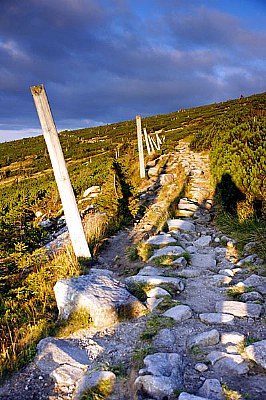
pixel 206 341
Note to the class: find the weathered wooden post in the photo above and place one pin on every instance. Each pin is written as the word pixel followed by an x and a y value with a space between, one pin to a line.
pixel 140 147
pixel 50 134
pixel 151 144
pixel 154 144
pixel 159 142
pixel 147 141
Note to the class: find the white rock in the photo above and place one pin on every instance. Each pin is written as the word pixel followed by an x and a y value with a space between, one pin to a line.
pixel 216 318
pixel 208 338
pixel 152 302
pixel 231 364
pixel 201 367
pixel 103 296
pixel 220 280
pixel 156 280
pixel 162 239
pixel 203 241
pixel 232 337
pixel 149 271
pixel 257 353
pixel 239 309
pixel 179 313
pixel 205 261
pixel 157 292
pixel 212 389
pixel 181 225
pixel 91 380
pixel 167 251
pixel 180 262
pixel 226 272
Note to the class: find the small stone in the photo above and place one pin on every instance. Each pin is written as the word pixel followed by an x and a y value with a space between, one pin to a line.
pixel 255 280
pixel 203 241
pixel 180 262
pixel 257 353
pixel 251 296
pixel 208 338
pixel 167 251
pixel 211 389
pixel 220 280
pixel 189 273
pixel 217 240
pixel 149 271
pixel 247 260
pixel 152 302
pixel 239 309
pixel 156 280
pixel 216 318
pixel 157 292
pixel 226 272
pixel 249 246
pixel 179 313
pixel 215 355
pixel 200 367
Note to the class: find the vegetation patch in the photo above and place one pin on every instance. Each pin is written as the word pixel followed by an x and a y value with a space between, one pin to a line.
pixel 235 291
pixel 167 303
pixel 79 319
pixel 139 355
pixel 154 325
pixel 145 250
pixel 100 392
pixel 139 290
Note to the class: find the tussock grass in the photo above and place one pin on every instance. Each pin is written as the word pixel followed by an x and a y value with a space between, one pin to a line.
pixel 154 325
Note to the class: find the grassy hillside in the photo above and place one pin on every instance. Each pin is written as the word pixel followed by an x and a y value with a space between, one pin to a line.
pixel 233 132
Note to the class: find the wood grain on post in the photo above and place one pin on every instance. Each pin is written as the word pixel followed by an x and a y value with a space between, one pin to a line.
pixel 147 141
pixel 140 147
pixel 50 134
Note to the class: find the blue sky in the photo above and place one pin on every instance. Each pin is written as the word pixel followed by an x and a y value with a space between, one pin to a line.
pixel 103 61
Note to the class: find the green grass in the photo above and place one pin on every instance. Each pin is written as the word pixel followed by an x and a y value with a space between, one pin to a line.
pixel 154 325
pixel 166 304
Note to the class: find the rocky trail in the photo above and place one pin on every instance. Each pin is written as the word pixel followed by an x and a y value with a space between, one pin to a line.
pixel 188 340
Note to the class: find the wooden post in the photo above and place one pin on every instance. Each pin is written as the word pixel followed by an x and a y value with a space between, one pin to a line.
pixel 147 141
pixel 151 144
pixel 159 142
pixel 50 134
pixel 140 147
pixel 154 144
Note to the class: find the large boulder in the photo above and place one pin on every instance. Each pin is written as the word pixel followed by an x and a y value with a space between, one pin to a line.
pixel 106 299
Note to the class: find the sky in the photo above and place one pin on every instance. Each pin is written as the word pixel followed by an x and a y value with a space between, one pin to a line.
pixel 105 61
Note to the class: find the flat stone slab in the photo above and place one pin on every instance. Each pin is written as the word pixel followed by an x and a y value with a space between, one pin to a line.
pixel 157 292
pixel 203 260
pixel 181 225
pixel 232 338
pixel 179 313
pixel 220 280
pixel 167 251
pixel 239 309
pixel 160 240
pixel 203 241
pixel 156 280
pixel 105 298
pixel 53 353
pixel 257 353
pixel 250 296
pixel 208 338
pixel 189 273
pixel 149 271
pixel 217 318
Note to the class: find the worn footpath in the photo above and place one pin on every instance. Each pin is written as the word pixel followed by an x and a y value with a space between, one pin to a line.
pixel 189 339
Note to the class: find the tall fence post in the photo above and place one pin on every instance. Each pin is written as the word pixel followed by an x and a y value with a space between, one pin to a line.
pixel 154 144
pixel 140 147
pixel 147 141
pixel 151 144
pixel 159 142
pixel 50 134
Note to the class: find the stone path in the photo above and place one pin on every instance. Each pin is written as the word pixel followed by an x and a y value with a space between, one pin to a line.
pixel 202 339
